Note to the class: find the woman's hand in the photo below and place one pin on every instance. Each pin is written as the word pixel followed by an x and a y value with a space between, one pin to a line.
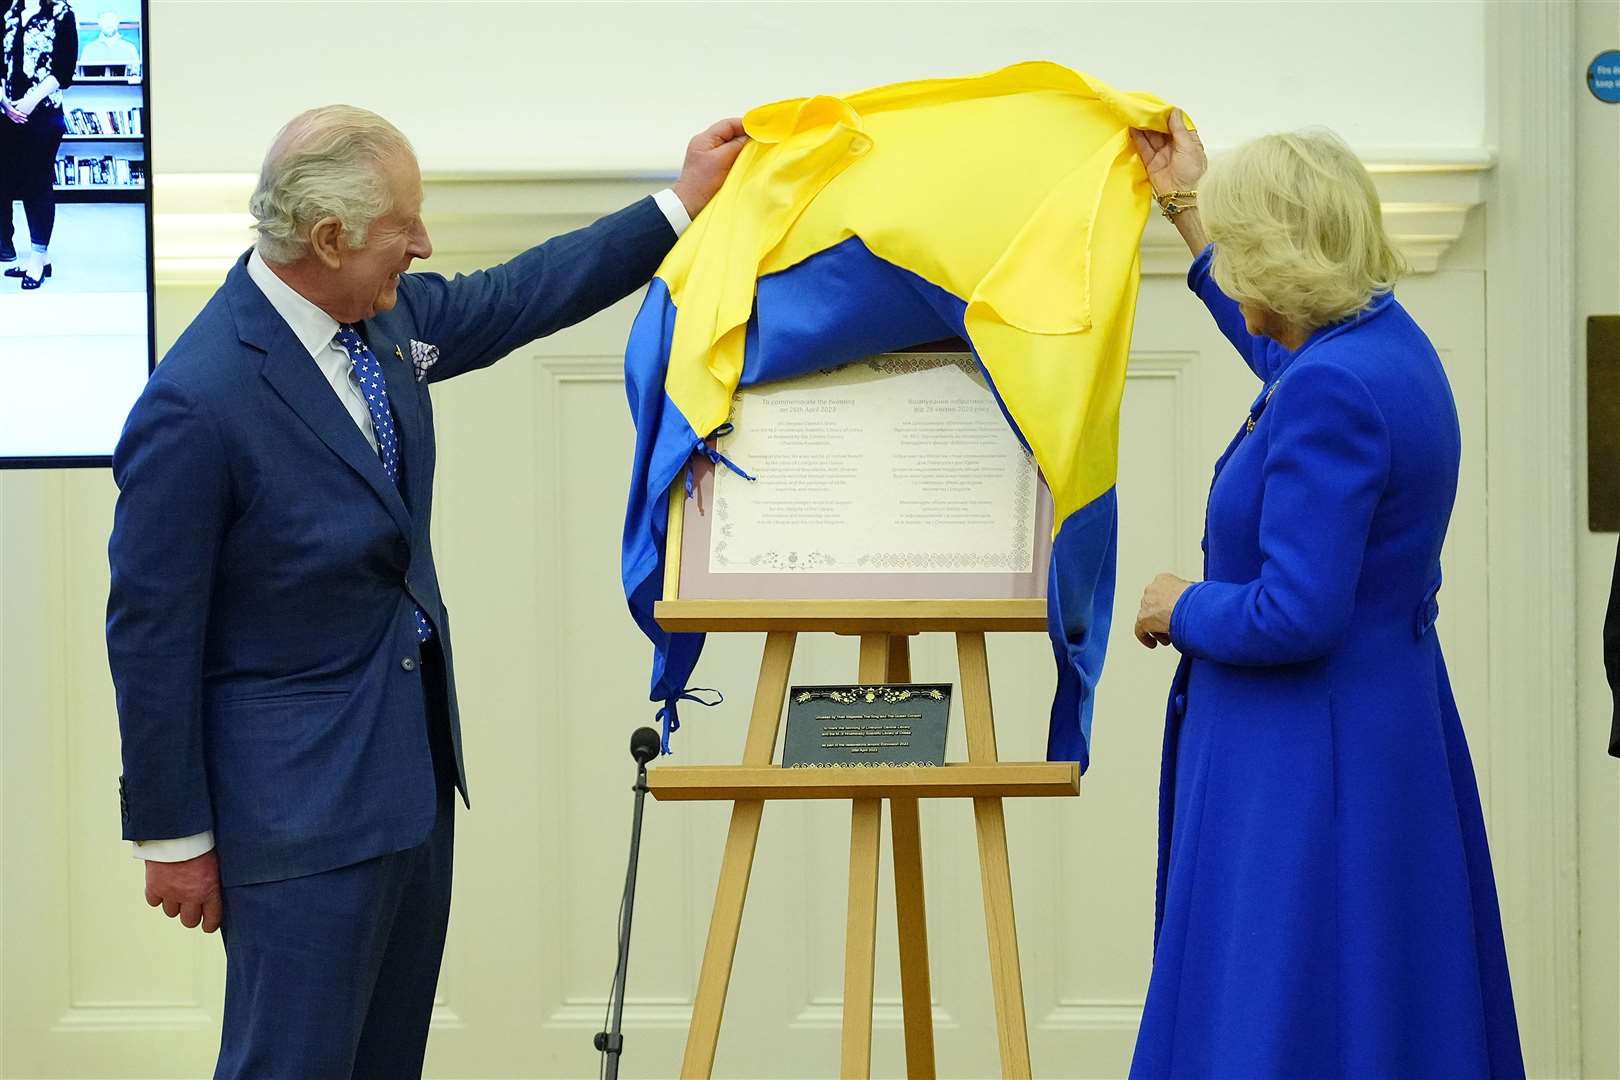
pixel 13 113
pixel 1175 161
pixel 1158 601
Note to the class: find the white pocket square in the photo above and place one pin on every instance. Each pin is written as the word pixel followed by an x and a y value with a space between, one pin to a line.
pixel 423 356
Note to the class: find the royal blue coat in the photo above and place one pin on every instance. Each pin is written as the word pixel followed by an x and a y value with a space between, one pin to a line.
pixel 1326 906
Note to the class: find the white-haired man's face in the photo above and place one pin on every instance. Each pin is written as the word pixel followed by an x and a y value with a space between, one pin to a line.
pixel 364 282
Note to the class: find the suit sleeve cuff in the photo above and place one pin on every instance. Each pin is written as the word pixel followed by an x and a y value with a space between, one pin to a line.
pixel 674 210
pixel 176 850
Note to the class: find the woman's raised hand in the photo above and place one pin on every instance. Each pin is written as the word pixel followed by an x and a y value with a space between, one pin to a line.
pixel 1175 161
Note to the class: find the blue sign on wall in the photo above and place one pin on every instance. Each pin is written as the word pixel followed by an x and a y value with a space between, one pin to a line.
pixel 1603 76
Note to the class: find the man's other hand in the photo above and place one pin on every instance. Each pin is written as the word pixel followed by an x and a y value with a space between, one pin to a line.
pixel 709 157
pixel 188 890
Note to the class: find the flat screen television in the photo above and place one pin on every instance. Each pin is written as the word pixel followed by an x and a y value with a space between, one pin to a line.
pixel 76 350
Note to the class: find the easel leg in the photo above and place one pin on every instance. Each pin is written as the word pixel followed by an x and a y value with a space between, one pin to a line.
pixel 899 665
pixel 916 993
pixel 708 1007
pixel 1006 979
pixel 860 942
pixel 860 947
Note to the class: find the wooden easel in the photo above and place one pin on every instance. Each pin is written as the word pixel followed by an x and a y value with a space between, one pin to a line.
pixel 884 627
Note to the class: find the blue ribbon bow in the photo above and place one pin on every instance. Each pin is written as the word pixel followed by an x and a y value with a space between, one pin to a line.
pixel 668 720
pixel 715 457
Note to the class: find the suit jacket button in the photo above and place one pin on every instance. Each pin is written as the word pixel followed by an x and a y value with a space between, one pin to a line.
pixel 408 664
pixel 1181 704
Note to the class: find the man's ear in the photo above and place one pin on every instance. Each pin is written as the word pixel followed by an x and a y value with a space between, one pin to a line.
pixel 326 242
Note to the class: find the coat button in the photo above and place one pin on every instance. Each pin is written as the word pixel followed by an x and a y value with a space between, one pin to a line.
pixel 1181 704
pixel 408 664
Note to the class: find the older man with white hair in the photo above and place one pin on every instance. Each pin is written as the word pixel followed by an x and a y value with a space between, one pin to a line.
pixel 277 638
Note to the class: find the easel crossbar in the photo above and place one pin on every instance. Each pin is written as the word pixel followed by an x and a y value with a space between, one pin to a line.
pixel 696 783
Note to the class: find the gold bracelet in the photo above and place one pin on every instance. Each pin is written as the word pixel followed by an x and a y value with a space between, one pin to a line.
pixel 1172 203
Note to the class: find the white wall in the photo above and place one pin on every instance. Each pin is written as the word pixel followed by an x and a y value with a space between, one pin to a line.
pixel 591 86
pixel 1597 275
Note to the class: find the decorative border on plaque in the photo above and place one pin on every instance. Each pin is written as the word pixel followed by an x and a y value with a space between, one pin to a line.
pixel 1014 558
pixel 863 765
pixel 857 694
pixel 906 363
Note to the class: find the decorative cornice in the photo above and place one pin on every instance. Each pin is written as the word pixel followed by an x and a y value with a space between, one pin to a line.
pixel 202 224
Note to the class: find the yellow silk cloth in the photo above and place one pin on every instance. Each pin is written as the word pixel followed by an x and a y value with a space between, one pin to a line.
pixel 1017 191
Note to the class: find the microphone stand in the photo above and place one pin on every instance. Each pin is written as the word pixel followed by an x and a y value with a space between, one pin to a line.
pixel 644 746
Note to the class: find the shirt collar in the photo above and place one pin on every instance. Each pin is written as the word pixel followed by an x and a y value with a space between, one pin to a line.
pixel 313 327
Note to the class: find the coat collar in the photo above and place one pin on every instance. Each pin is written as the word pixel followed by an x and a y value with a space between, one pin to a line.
pixel 288 369
pixel 1381 303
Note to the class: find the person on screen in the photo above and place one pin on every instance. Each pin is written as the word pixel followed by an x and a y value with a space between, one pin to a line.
pixel 39 43
pixel 1326 901
pixel 110 48
pixel 278 642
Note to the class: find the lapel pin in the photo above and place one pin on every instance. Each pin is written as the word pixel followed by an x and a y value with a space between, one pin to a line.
pixel 398 354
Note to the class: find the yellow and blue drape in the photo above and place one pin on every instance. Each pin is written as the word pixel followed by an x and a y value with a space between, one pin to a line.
pixel 1004 208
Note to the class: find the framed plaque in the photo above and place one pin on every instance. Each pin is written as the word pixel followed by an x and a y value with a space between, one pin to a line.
pixel 894 477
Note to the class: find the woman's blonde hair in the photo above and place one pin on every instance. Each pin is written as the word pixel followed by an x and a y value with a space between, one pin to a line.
pixel 327 162
pixel 1298 229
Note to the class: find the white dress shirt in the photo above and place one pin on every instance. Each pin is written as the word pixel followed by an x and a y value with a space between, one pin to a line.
pixel 317 331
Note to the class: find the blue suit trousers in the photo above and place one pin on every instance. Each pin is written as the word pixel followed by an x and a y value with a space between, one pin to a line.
pixel 333 975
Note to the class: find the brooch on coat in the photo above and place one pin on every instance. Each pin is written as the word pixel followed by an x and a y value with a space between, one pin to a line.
pixel 1254 417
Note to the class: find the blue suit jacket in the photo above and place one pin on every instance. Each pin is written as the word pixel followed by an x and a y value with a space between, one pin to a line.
pixel 264 567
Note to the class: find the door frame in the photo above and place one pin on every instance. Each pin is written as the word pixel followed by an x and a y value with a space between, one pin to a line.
pixel 1530 387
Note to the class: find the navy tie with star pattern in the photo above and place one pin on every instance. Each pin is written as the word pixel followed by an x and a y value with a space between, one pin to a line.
pixel 370 375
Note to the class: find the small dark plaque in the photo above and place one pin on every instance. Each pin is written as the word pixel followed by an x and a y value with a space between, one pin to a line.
pixel 882 724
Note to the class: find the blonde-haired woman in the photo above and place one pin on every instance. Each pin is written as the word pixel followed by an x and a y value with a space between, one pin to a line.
pixel 1325 899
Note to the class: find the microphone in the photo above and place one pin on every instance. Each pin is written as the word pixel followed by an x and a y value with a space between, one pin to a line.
pixel 644 745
